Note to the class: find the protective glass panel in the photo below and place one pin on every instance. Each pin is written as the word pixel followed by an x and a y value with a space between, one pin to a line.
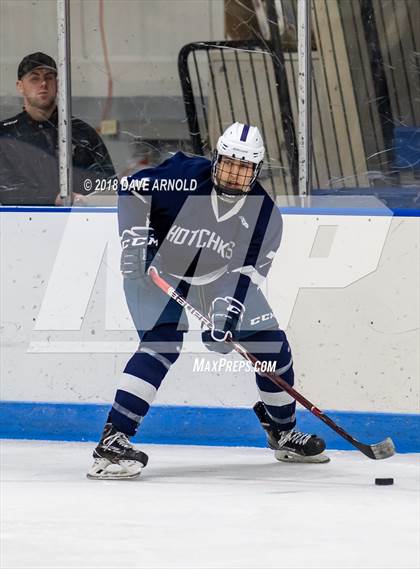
pixel 125 79
pixel 365 112
pixel 28 138
pixel 135 102
pixel 126 95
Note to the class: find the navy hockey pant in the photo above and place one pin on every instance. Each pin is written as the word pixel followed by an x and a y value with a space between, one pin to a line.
pixel 143 374
pixel 160 348
pixel 272 346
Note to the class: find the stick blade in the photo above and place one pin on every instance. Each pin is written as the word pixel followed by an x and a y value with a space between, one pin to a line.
pixel 379 451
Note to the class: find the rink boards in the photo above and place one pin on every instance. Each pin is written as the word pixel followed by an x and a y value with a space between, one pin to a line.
pixel 344 285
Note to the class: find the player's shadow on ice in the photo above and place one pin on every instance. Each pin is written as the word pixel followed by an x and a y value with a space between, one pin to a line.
pixel 247 473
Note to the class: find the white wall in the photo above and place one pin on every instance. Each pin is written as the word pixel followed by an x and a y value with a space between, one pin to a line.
pixel 345 288
pixel 143 39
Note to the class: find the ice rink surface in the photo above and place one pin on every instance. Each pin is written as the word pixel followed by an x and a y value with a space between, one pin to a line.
pixel 206 507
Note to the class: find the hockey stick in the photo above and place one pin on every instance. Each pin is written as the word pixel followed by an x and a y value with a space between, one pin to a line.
pixel 381 450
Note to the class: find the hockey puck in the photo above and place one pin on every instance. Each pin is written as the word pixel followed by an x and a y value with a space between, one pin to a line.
pixel 384 481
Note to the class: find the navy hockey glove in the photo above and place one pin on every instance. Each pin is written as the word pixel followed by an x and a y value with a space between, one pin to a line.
pixel 140 250
pixel 226 315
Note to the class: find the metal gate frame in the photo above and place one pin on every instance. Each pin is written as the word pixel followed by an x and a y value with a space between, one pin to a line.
pixel 282 89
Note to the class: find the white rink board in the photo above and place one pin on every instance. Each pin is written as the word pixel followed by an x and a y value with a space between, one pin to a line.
pixel 345 288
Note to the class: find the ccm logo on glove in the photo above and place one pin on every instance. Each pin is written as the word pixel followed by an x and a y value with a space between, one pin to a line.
pixel 138 237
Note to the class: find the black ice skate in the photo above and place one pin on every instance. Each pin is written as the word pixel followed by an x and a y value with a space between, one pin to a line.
pixel 116 458
pixel 290 446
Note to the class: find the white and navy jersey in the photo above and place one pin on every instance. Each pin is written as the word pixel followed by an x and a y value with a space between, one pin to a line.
pixel 201 239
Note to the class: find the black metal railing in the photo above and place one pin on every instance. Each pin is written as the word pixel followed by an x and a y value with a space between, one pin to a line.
pixel 241 81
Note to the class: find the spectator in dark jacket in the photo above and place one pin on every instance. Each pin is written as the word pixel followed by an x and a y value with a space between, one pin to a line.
pixel 29 143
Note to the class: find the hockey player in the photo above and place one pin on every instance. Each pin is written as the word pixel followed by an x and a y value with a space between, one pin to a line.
pixel 212 231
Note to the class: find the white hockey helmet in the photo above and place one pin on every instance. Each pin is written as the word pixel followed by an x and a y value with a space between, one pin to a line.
pixel 243 143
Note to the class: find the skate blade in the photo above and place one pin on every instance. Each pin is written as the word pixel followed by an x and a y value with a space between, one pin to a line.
pixel 103 469
pixel 290 456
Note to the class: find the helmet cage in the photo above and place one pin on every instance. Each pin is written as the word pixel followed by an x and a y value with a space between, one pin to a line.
pixel 244 187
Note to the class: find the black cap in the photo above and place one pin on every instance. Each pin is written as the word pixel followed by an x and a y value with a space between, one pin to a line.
pixel 35 60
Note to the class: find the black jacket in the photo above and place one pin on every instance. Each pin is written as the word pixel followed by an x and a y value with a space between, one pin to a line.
pixel 29 159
